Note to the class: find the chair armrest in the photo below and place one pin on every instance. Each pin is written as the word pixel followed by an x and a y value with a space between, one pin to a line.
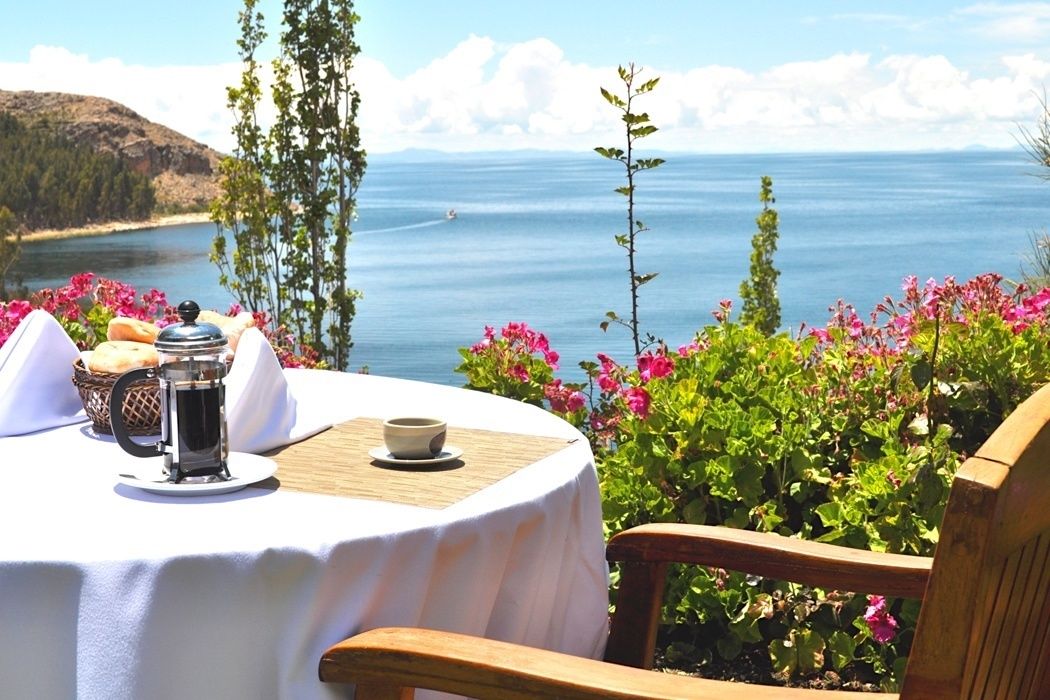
pixel 384 661
pixel 774 556
pixel 645 552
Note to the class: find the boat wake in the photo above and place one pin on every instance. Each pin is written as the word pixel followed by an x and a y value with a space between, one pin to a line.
pixel 424 224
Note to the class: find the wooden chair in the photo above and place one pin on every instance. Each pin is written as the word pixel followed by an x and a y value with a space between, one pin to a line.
pixel 983 631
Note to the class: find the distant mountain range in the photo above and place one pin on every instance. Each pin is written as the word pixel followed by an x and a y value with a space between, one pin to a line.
pixel 184 172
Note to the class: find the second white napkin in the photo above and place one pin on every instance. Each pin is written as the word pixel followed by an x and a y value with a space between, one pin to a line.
pixel 261 411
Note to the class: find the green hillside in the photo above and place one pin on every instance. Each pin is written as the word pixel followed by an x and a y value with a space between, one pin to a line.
pixel 47 181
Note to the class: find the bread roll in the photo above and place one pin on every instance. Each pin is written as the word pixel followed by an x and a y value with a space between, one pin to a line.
pixel 118 356
pixel 231 326
pixel 121 328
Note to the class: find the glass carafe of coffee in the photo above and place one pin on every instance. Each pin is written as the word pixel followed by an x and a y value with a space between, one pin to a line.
pixel 191 371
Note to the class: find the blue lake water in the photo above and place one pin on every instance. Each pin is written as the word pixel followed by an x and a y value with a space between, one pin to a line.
pixel 534 242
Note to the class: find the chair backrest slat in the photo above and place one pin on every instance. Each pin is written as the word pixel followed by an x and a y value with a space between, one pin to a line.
pixel 1035 642
pixel 1010 632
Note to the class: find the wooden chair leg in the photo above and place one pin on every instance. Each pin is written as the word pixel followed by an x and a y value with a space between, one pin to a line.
pixel 632 635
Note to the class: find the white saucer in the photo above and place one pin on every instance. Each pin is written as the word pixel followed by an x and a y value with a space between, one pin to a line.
pixel 245 469
pixel 380 454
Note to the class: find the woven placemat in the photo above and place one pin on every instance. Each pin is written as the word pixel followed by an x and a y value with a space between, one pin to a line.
pixel 336 462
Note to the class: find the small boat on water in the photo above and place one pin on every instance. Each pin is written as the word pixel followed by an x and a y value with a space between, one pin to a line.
pixel 451 214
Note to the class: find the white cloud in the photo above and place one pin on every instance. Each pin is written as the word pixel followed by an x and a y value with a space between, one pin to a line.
pixel 483 95
pixel 189 99
pixel 1017 22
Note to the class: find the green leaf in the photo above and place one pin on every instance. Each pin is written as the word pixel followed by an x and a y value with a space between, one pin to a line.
pixel 695 512
pixel 922 373
pixel 841 646
pixel 650 163
pixel 610 153
pixel 830 513
pixel 647 86
pixel 810 648
pixel 783 657
pixel 612 99
pixel 729 646
pixel 643 279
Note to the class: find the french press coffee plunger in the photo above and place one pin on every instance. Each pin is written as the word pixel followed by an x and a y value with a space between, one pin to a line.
pixel 191 371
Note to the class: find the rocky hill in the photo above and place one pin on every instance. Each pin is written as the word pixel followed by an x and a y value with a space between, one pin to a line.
pixel 184 171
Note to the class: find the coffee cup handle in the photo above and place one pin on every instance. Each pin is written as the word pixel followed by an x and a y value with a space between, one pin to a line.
pixel 116 413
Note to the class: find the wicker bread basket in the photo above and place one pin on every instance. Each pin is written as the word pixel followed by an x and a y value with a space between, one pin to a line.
pixel 141 409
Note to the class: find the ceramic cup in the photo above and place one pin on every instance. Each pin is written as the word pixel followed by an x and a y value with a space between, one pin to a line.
pixel 414 438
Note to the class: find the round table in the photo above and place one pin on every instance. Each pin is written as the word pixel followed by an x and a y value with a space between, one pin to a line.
pixel 109 591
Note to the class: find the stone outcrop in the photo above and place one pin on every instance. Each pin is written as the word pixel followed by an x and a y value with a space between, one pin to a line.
pixel 184 171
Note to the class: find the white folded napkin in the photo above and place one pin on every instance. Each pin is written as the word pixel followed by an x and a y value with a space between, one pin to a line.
pixel 36 377
pixel 261 411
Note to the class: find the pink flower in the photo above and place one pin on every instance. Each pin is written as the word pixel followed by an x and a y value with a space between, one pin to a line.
pixel 607 383
pixel 882 625
pixel 820 334
pixel 856 327
pixel 562 398
pixel 1038 301
pixel 638 401
pixel 606 379
pixel 17 309
pixel 652 366
pixel 891 476
pixel 724 307
pixel 519 372
pixel 687 350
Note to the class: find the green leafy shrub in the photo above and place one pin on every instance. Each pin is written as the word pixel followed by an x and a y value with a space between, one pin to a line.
pixel 848 434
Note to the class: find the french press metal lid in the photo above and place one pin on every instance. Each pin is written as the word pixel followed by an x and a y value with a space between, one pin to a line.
pixel 191 372
pixel 190 337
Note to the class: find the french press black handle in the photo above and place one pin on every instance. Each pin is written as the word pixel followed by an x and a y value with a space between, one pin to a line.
pixel 116 413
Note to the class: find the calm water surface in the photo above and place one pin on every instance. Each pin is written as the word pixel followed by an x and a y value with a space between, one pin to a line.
pixel 533 242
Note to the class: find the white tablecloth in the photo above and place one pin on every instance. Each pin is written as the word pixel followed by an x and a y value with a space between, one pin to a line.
pixel 110 592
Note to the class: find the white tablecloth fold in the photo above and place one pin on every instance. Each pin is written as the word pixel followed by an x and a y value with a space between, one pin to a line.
pixel 36 377
pixel 261 411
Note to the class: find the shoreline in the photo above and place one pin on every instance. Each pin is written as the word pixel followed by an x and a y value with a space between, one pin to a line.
pixel 111 227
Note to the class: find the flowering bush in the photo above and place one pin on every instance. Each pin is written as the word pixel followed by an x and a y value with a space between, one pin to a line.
pixel 849 434
pixel 86 305
pixel 520 364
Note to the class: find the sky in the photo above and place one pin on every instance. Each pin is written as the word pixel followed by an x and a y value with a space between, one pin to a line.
pixel 467 75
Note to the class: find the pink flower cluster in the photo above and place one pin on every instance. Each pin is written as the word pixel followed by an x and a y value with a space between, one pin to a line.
pixel 882 625
pixel 72 302
pixel 950 301
pixel 72 305
pixel 520 338
pixel 563 399
pixel 611 378
pixel 512 353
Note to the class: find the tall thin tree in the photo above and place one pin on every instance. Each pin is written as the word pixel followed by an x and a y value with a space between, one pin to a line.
pixel 637 125
pixel 289 194
pixel 761 305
